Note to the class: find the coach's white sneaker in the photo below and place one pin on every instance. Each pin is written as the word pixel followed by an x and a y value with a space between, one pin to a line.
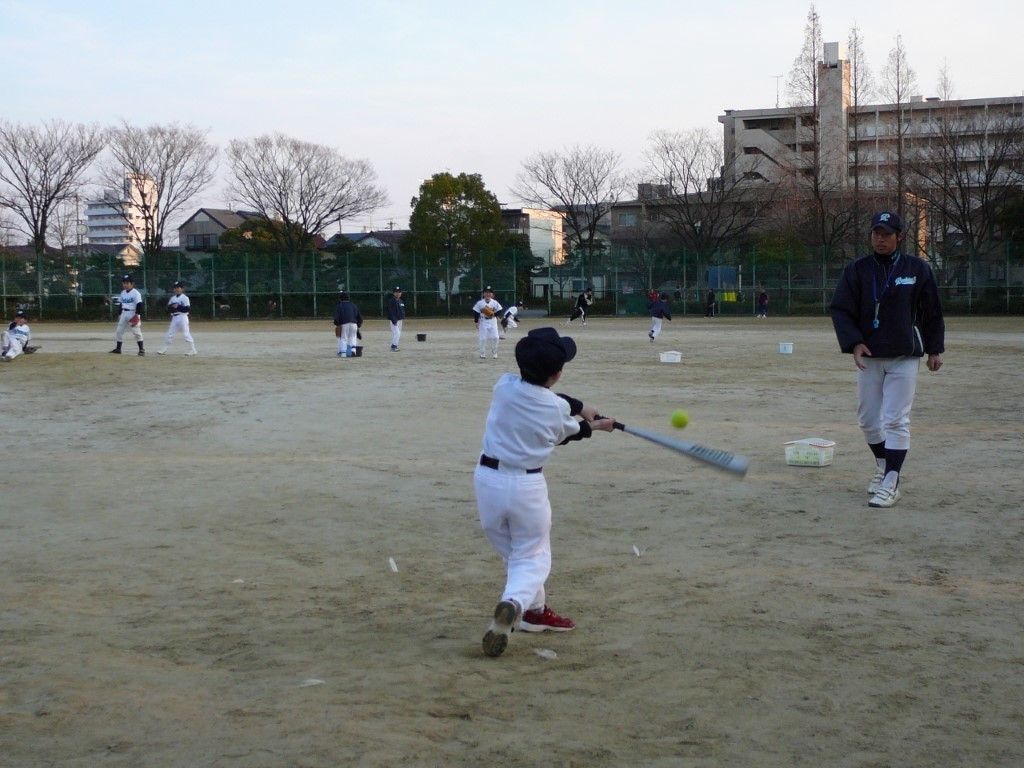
pixel 506 616
pixel 162 351
pixel 888 492
pixel 191 351
pixel 876 479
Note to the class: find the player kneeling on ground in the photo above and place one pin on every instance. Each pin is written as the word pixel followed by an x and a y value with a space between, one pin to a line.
pixel 524 424
pixel 16 338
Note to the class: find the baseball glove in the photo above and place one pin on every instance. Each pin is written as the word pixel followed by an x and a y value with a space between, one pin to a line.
pixel 337 331
pixel 135 320
pixel 359 334
pixel 487 312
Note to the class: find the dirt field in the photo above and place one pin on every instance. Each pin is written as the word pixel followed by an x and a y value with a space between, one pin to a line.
pixel 188 545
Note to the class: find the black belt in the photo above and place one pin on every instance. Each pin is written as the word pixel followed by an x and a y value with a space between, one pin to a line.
pixel 487 461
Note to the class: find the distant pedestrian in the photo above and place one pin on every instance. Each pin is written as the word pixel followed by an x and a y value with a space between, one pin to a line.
pixel 709 304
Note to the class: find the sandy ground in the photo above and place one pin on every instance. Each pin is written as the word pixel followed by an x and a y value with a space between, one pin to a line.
pixel 187 544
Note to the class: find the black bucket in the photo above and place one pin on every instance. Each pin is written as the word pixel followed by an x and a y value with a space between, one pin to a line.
pixel 357 351
pixel 421 337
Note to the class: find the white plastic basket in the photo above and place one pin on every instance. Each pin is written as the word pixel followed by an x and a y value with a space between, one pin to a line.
pixel 671 357
pixel 810 452
pixel 785 348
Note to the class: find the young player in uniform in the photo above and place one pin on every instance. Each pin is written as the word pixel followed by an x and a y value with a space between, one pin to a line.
pixel 659 311
pixel 396 314
pixel 346 325
pixel 886 312
pixel 178 305
pixel 131 317
pixel 583 302
pixel 525 422
pixel 510 319
pixel 14 341
pixel 485 315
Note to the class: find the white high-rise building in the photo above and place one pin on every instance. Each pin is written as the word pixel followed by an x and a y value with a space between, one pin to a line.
pixel 115 217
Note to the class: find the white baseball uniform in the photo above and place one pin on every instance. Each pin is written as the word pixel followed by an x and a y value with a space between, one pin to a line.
pixel 131 302
pixel 179 306
pixel 510 320
pixel 14 340
pixel 524 424
pixel 488 326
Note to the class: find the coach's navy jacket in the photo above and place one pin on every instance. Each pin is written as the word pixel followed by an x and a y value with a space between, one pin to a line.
pixel 909 314
pixel 347 312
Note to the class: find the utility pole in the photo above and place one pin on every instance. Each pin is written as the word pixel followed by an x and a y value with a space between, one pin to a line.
pixel 777 78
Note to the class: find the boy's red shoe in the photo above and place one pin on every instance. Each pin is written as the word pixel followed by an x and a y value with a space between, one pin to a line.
pixel 545 620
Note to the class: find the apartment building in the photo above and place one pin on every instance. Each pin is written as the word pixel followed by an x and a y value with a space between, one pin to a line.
pixel 776 144
pixel 114 217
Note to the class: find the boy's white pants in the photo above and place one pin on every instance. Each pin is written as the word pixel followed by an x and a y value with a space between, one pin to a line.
pixel 516 517
pixel 11 345
pixel 347 340
pixel 178 323
pixel 488 336
pixel 396 333
pixel 122 323
pixel 655 326
pixel 885 394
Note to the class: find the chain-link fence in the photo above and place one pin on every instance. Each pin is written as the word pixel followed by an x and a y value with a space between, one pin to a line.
pixel 84 285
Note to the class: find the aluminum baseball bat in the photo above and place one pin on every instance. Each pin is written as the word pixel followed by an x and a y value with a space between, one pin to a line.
pixel 723 460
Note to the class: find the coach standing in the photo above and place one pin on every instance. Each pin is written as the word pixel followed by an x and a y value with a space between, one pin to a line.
pixel 886 312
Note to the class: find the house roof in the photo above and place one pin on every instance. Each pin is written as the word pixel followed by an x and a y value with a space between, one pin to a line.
pixel 392 237
pixel 226 218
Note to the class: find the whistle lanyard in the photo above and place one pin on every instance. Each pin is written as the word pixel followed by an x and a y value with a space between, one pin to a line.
pixel 878 294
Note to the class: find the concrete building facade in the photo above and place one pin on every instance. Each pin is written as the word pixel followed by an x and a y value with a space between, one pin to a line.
pixel 776 144
pixel 114 217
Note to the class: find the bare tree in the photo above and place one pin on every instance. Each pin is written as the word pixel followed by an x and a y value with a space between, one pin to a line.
pixel 161 169
pixel 822 181
pixel 702 201
pixel 945 83
pixel 583 182
pixel 42 167
pixel 970 166
pixel 861 90
pixel 898 84
pixel 303 186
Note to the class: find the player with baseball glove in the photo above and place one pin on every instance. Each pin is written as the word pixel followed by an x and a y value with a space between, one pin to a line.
pixel 485 315
pixel 131 308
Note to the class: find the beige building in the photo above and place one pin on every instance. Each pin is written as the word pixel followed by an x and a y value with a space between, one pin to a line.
pixel 114 218
pixel 545 231
pixel 776 144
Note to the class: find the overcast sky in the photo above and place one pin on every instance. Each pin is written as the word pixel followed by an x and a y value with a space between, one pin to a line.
pixel 417 88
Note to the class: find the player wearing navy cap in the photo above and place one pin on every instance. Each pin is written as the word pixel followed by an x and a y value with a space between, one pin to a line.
pixel 131 315
pixel 178 306
pixel 485 315
pixel 14 341
pixel 886 312
pixel 525 422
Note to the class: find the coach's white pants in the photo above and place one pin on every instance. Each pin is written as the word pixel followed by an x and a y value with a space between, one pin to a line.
pixel 885 392
pixel 11 345
pixel 516 517
pixel 122 323
pixel 179 322
pixel 488 336
pixel 655 326
pixel 396 333
pixel 348 338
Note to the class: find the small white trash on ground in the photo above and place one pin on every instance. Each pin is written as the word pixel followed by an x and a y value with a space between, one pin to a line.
pixel 809 452
pixel 671 357
pixel 785 347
